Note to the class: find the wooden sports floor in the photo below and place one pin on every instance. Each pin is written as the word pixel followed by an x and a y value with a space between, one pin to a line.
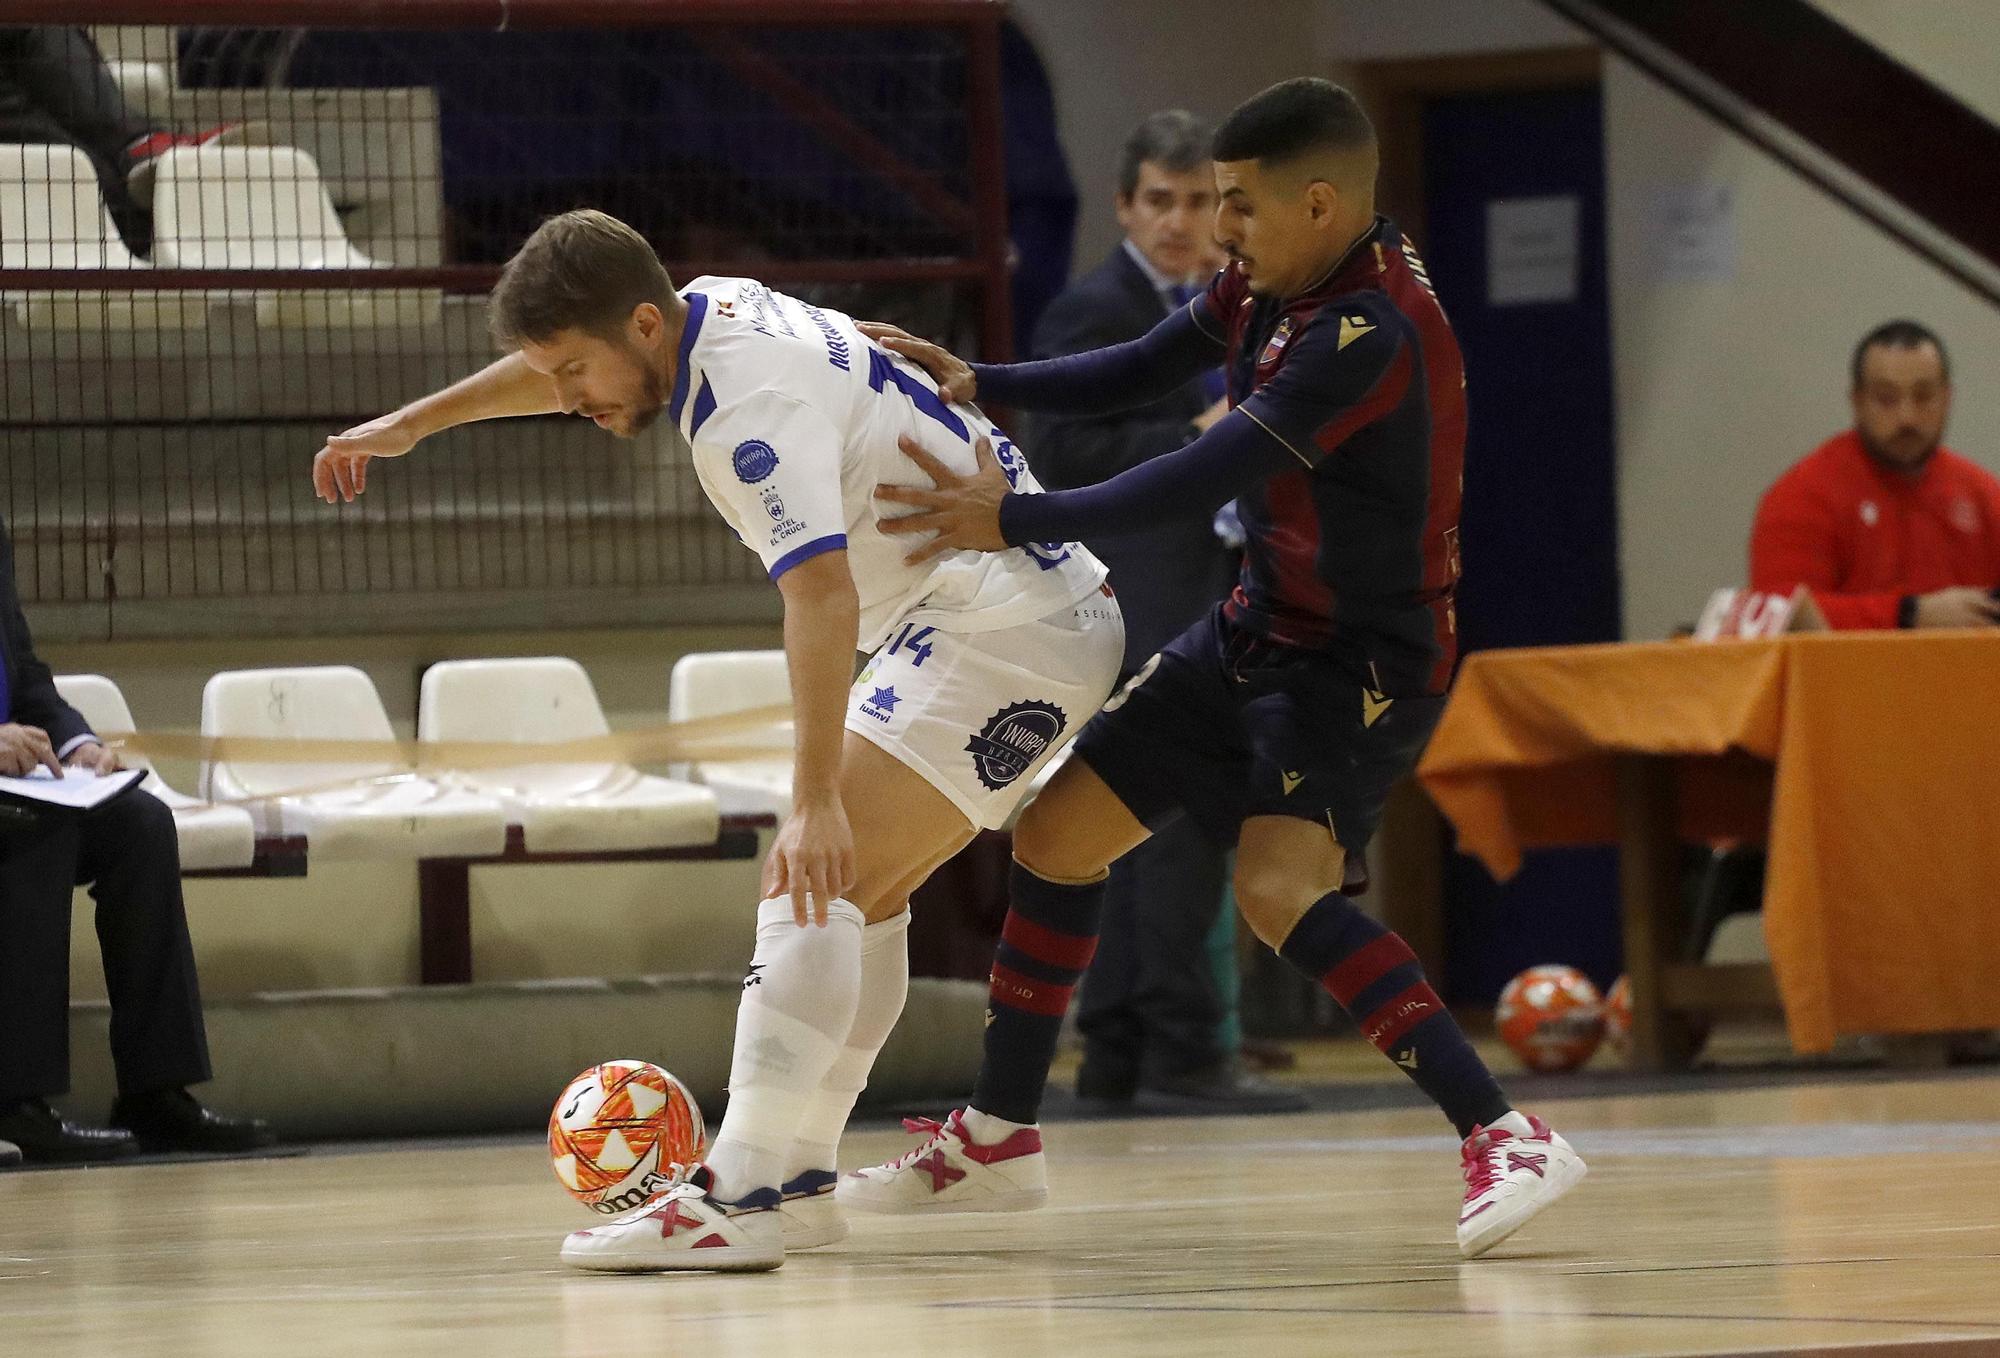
pixel 1857 1217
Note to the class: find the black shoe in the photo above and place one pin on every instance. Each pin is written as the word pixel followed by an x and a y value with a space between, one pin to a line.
pixel 44 1136
pixel 174 1120
pixel 10 1154
pixel 1219 1089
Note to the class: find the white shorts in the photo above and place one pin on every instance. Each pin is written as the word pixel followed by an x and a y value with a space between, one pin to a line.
pixel 978 714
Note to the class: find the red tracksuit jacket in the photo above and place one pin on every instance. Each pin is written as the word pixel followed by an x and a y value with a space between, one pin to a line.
pixel 1861 536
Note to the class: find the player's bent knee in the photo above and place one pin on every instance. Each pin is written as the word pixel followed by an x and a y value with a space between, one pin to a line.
pixel 1272 901
pixel 1046 845
pixel 1075 829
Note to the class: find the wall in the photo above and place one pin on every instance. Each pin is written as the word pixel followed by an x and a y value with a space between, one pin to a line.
pixel 1723 384
pixel 1391 30
pixel 1112 62
pixel 1109 69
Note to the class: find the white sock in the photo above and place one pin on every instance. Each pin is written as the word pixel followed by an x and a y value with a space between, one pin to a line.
pixel 987 1130
pixel 798 1003
pixel 885 984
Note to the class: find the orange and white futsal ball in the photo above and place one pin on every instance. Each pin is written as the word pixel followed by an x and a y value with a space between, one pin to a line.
pixel 619 1130
pixel 1551 1017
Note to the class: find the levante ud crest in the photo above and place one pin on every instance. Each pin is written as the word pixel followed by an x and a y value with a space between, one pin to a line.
pixel 1276 345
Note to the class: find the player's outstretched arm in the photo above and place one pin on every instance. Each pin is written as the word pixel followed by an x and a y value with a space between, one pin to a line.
pixel 502 388
pixel 1100 382
pixel 979 513
pixel 813 854
pixel 1340 376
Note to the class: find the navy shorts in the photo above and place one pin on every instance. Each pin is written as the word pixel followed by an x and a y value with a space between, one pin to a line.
pixel 1224 724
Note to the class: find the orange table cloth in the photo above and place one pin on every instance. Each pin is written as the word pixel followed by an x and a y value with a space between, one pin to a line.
pixel 1882 898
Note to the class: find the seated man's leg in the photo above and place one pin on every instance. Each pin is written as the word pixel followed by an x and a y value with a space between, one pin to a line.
pixel 37 865
pixel 130 859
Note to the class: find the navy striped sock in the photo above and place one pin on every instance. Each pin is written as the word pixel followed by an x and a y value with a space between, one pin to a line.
pixel 1045 947
pixel 1377 980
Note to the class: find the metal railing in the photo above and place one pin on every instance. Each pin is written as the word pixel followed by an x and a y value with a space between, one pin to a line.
pixel 168 367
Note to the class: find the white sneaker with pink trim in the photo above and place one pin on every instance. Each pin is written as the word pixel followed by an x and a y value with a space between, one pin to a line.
pixel 686 1228
pixel 949 1173
pixel 1513 1169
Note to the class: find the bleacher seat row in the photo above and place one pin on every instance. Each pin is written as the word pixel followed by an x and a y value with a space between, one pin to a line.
pixel 388 809
pixel 214 207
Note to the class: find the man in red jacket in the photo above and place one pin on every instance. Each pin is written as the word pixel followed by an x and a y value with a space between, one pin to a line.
pixel 1885 525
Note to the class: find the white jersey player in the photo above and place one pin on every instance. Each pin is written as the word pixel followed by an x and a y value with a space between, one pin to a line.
pixel 983 666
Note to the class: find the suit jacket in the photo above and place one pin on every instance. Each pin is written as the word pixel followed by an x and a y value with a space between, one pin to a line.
pixel 1166 576
pixel 32 697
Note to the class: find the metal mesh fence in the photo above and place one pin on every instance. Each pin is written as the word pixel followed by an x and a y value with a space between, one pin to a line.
pixel 218 245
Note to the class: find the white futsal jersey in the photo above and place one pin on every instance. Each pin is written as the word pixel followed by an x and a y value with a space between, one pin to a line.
pixel 793 417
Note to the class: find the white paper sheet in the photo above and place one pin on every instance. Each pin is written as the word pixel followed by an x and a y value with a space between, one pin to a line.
pixel 78 789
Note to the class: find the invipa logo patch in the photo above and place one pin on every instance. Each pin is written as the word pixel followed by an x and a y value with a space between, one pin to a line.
pixel 1013 740
pixel 754 460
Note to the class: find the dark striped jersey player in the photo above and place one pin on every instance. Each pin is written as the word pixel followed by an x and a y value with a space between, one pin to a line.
pixel 1280 722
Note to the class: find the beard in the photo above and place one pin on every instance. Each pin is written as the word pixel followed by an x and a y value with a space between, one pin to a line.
pixel 647 405
pixel 1906 448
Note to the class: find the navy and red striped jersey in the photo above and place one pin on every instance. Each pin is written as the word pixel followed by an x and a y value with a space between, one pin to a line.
pixel 1356 551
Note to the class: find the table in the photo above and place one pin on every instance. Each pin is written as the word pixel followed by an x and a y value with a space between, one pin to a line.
pixel 1870 762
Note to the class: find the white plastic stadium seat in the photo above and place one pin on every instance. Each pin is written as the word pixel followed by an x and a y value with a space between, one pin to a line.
pixel 394 813
pixel 561 808
pixel 52 216
pixel 210 836
pixel 265 207
pixel 722 682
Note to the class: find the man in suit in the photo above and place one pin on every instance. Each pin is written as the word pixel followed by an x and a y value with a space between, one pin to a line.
pixel 1151 1012
pixel 126 852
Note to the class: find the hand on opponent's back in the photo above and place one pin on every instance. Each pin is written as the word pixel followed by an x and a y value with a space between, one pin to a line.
pixel 952 374
pixel 962 511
